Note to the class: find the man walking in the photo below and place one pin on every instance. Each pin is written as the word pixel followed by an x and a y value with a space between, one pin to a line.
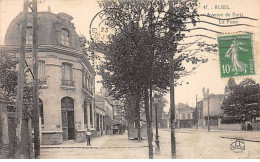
pixel 88 138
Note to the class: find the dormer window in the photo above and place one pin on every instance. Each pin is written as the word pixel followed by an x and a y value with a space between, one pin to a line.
pixel 65 38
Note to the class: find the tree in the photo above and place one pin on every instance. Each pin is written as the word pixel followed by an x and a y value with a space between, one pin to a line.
pixel 243 100
pixel 160 106
pixel 231 85
pixel 8 78
pixel 8 85
pixel 8 81
pixel 139 55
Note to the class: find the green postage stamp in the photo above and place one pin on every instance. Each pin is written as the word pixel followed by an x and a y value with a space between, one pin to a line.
pixel 236 55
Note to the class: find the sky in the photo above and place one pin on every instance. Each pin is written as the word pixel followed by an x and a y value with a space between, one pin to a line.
pixel 207 75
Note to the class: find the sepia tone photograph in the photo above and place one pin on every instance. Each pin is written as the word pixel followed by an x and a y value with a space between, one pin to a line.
pixel 129 79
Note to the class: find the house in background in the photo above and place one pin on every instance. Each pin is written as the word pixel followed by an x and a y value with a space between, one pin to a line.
pixel 67 95
pixel 164 120
pixel 105 112
pixel 185 116
pixel 213 104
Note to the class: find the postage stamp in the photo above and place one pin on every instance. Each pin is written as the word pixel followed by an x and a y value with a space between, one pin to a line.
pixel 236 55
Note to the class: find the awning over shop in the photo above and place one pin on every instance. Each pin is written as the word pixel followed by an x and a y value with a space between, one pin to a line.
pixel 110 122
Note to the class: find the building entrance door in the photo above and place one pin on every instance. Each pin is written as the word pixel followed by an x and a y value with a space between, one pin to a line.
pixel 68 127
pixel 67 114
pixel 71 128
pixel 64 125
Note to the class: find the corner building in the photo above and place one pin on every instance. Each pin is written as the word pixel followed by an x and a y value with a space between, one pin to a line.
pixel 67 95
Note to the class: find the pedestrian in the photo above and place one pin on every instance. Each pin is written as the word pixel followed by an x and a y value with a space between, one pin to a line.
pixel 243 126
pixel 88 138
pixel 249 127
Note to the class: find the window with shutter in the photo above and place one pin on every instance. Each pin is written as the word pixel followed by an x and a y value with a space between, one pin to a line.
pixel 41 70
pixel 67 76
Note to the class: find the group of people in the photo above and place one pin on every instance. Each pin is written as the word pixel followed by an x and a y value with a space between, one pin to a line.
pixel 247 127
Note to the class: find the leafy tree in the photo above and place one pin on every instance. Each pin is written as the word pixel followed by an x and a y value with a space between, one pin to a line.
pixel 160 106
pixel 139 55
pixel 243 100
pixel 9 78
pixel 230 85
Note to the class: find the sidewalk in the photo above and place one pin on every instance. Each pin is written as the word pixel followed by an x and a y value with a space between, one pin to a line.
pixel 105 147
pixel 106 141
pixel 95 143
pixel 251 136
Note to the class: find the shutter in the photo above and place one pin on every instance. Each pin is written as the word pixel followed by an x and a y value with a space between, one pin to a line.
pixel 63 72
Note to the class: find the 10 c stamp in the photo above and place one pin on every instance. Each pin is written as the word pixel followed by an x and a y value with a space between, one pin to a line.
pixel 236 55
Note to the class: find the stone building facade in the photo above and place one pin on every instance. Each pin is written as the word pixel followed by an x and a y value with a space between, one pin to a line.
pixel 103 103
pixel 67 107
pixel 106 113
pixel 185 117
pixel 215 112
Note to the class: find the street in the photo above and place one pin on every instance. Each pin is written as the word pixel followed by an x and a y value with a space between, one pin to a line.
pixel 191 144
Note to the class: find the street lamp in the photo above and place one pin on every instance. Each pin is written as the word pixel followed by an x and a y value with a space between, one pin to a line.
pixel 156 100
pixel 208 110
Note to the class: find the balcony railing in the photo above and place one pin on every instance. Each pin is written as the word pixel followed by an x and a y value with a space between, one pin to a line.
pixel 68 83
pixel 43 80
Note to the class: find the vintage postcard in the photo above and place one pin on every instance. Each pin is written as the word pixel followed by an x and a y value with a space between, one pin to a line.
pixel 129 79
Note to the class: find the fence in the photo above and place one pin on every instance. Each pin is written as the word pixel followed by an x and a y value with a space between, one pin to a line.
pixel 234 127
pixel 256 125
pixel 4 138
pixel 7 132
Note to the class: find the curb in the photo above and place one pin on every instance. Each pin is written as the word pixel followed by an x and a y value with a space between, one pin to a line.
pixel 241 139
pixel 46 147
pixel 62 147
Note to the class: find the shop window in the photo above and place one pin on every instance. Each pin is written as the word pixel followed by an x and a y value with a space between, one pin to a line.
pixel 97 122
pixel 41 112
pixel 91 114
pixel 85 114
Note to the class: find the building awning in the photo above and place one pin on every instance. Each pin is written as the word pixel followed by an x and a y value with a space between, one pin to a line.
pixel 111 122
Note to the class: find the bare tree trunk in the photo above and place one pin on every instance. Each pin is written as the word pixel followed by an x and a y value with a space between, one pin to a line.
pixel 172 109
pixel 137 108
pixel 172 101
pixel 151 107
pixel 30 138
pixel 36 83
pixel 148 121
pixel 20 86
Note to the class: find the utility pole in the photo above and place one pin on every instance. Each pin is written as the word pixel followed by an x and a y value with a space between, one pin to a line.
pixel 36 82
pixel 172 102
pixel 20 86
